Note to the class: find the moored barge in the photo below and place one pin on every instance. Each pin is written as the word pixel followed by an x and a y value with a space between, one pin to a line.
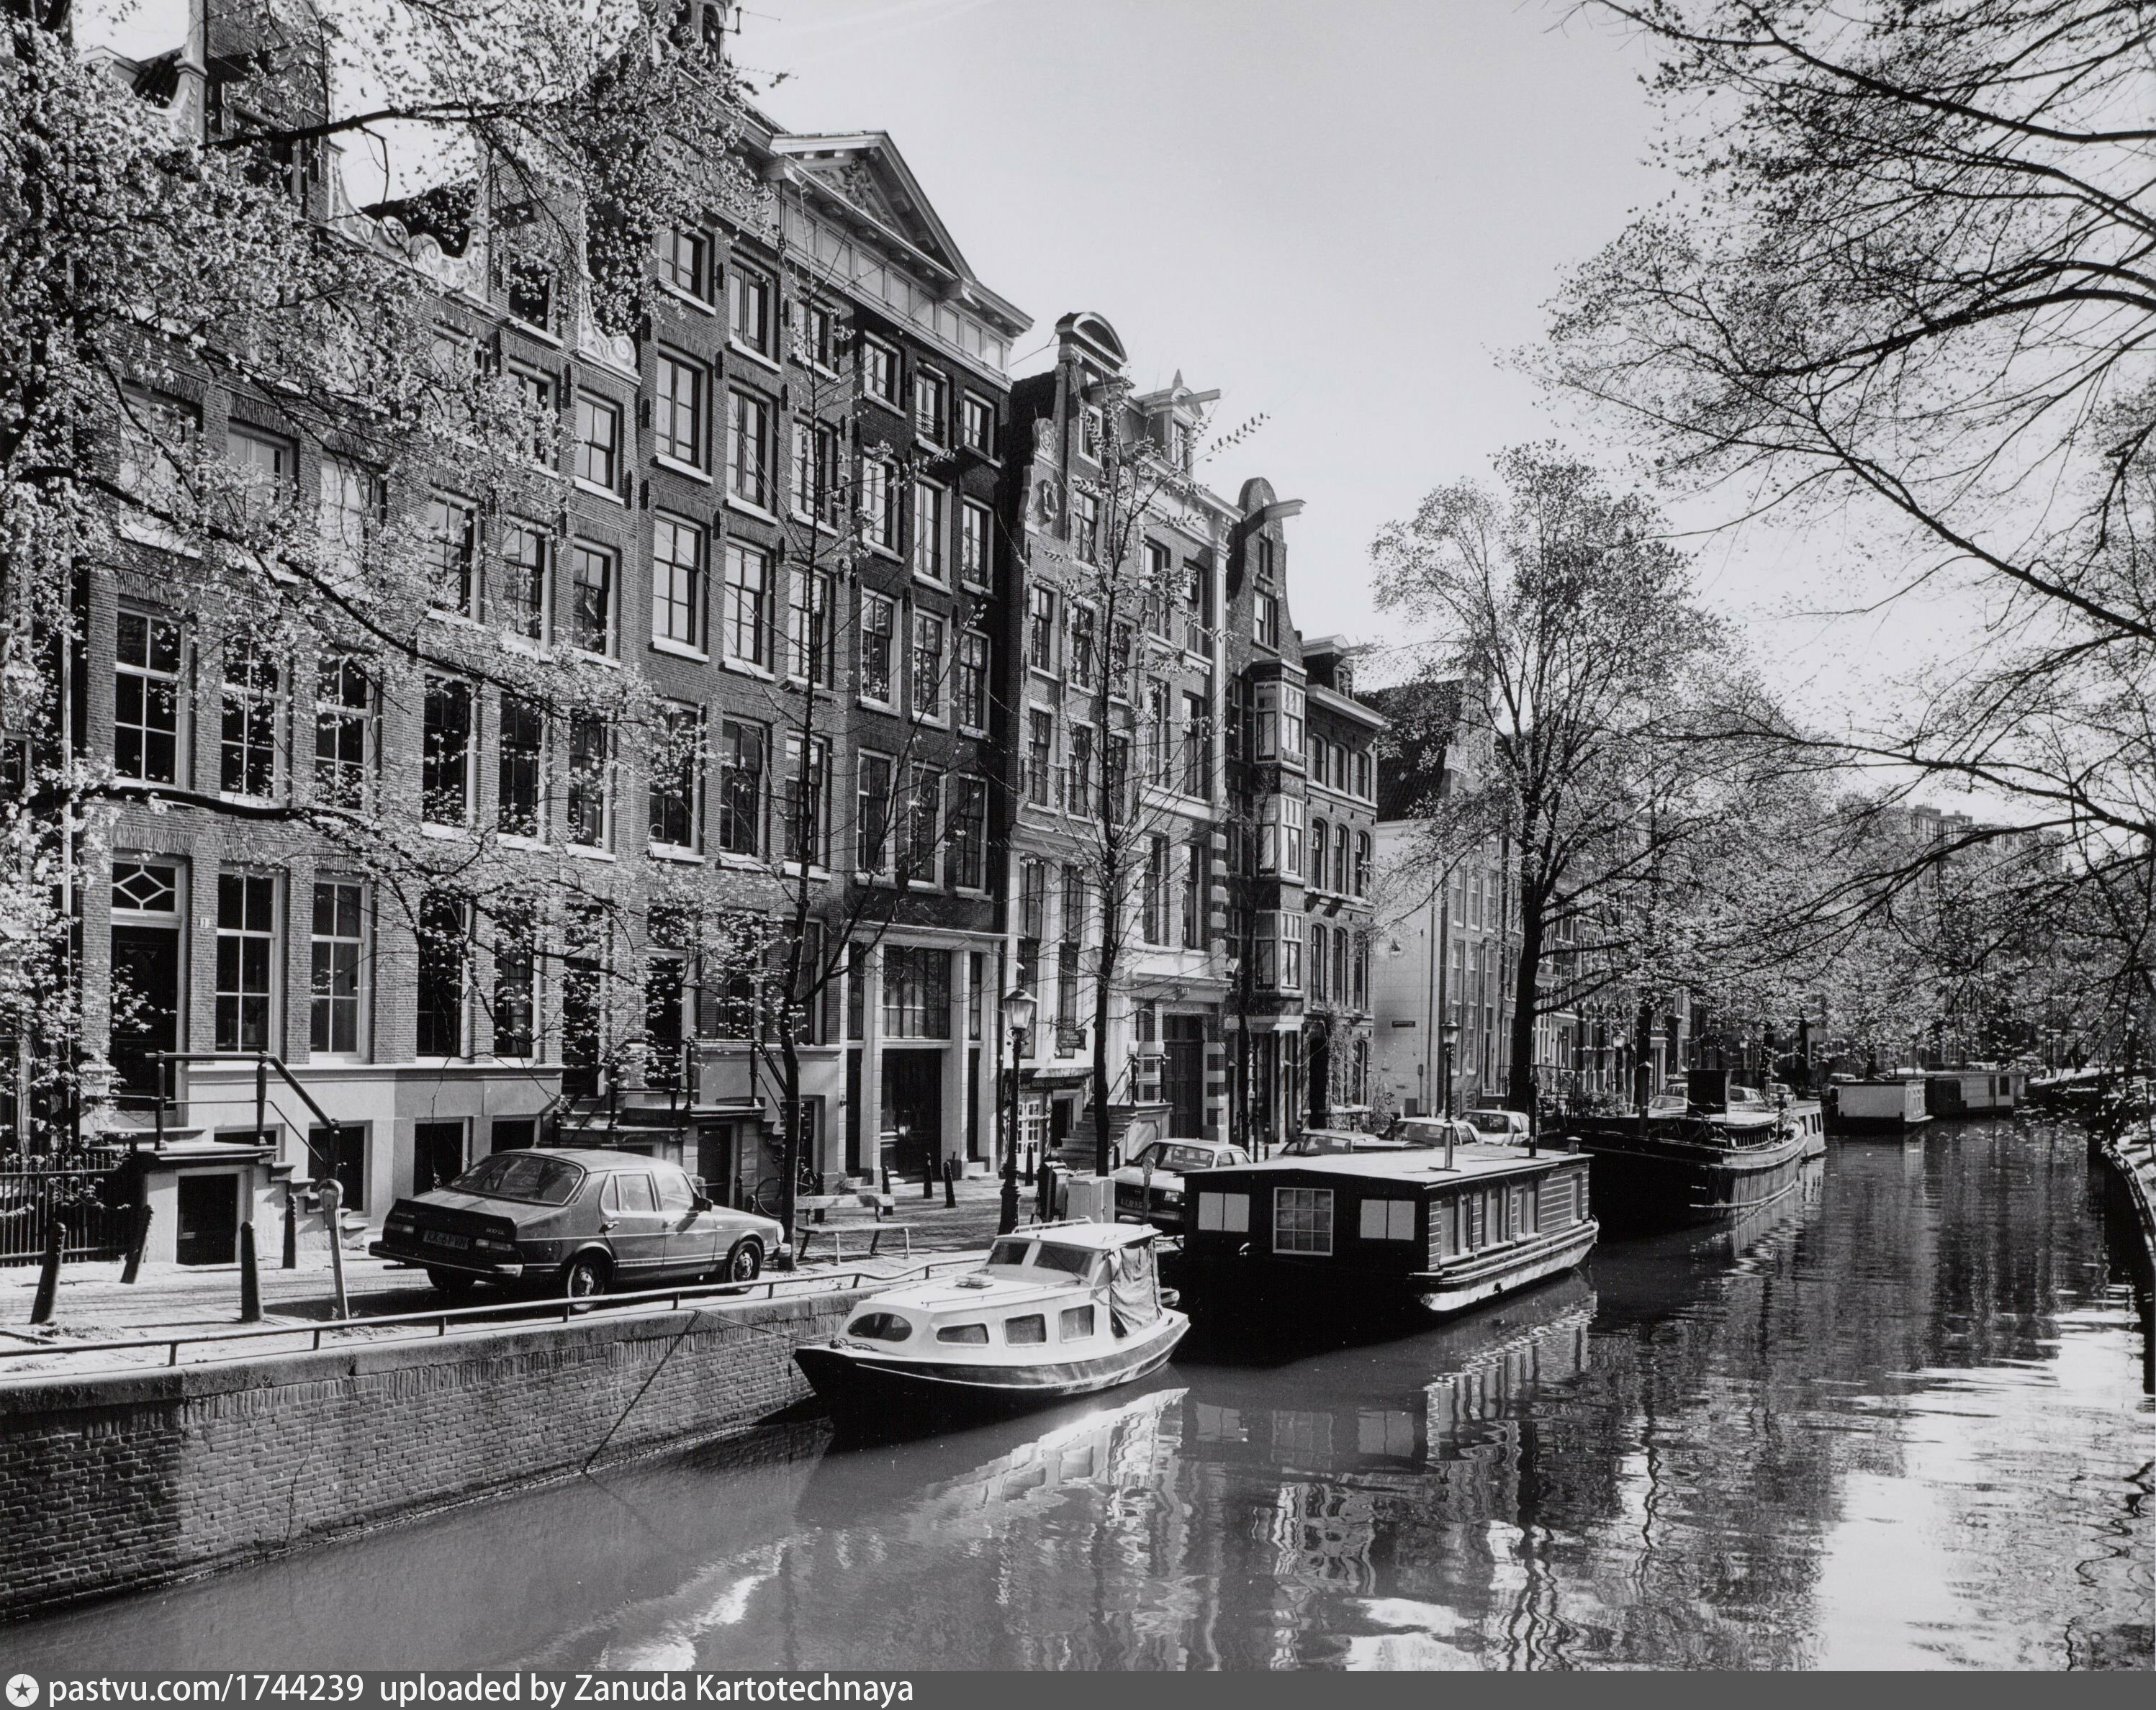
pixel 1972 1092
pixel 1718 1150
pixel 1416 1232
pixel 1892 1107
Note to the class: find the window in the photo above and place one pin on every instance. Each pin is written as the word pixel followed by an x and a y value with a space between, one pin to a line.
pixel 977 426
pixel 1317 854
pixel 1154 913
pixel 452 529
pixel 1303 1220
pixel 1343 860
pixel 527 557
pixel 971 687
pixel 1085 525
pixel 146 696
pixel 879 370
pixel 1075 1324
pixel 1196 608
pixel 590 760
pixel 1067 956
pixel 931 405
pixel 816 471
pixel 1092 429
pixel 748 310
pixel 741 787
pixel 1388 1220
pixel 929 506
pixel 879 616
pixel 1226 1213
pixel 1319 990
pixel 1085 645
pixel 441 993
pixel 599 442
pixel 1358 991
pixel 1197 745
pixel 445 756
pixel 352 510
pixel 591 598
pixel 1039 755
pixel 819 337
pixel 1160 732
pixel 535 392
pixel 916 992
pixel 879 505
pixel 246 928
pixel 1078 779
pixel 1032 917
pixel 268 469
pixel 1363 785
pixel 247 745
pixel 1284 848
pixel 685 261
pixel 1268 622
pixel 1290 951
pixel 748 605
pixel 808 627
pixel 872 815
pixel 677 581
pixel 1040 629
pixel 1196 895
pixel 1159 586
pixel 748 459
pixel 529 288
pixel 677 773
pixel 343 708
pixel 1361 873
pixel 1290 721
pixel 520 769
pixel 969 832
pixel 1114 776
pixel 928 665
pixel 678 415
pixel 801 792
pixel 974 524
pixel 924 829
pixel 516 985
pixel 151 432
pixel 338 946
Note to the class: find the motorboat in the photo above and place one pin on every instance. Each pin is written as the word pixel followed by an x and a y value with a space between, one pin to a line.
pixel 1057 1310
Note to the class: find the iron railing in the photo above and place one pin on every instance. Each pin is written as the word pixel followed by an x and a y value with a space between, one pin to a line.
pixel 31 1201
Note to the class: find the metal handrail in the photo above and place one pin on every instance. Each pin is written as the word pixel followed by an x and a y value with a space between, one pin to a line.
pixel 567 1306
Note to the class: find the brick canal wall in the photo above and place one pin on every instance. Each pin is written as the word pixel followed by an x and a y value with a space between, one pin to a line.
pixel 122 1480
pixel 2132 1156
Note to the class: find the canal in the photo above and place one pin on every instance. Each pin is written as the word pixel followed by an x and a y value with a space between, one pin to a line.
pixel 1897 1419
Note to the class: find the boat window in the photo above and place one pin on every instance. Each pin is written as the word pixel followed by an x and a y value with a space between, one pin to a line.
pixel 1076 1323
pixel 523 1175
pixel 1019 1332
pixel 1009 1252
pixel 1076 1261
pixel 1303 1220
pixel 1229 1214
pixel 1388 1220
pixel 973 1335
pixel 880 1326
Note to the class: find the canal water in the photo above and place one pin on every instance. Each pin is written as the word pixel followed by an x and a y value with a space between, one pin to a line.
pixel 1897 1419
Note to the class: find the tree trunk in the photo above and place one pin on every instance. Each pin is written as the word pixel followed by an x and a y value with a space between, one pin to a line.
pixel 1103 994
pixel 1520 1092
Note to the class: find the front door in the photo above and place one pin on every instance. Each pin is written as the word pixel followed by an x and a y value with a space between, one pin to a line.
pixel 208 1232
pixel 913 1107
pixel 438 1155
pixel 634 1226
pixel 146 1002
pixel 1182 1040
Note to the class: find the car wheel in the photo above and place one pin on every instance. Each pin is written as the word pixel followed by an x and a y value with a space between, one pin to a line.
pixel 584 1275
pixel 745 1263
pixel 453 1285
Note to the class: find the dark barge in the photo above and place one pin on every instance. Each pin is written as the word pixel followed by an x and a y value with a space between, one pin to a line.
pixel 1718 1151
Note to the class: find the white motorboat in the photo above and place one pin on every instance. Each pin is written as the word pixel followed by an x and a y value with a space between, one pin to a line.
pixel 1058 1310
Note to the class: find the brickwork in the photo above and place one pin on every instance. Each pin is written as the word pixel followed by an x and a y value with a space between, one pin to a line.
pixel 122 1480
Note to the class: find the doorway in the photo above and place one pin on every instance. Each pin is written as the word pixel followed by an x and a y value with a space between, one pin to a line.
pixel 1182 1043
pixel 146 1003
pixel 208 1232
pixel 913 1108
pixel 438 1155
pixel 1321 1079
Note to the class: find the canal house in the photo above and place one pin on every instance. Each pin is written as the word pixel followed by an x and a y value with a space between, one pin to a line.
pixel 1423 1230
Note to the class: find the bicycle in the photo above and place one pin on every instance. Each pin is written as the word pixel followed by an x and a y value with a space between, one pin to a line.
pixel 765 1198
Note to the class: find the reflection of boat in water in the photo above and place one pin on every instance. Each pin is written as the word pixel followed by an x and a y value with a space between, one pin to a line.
pixel 1657 1272
pixel 1064 1310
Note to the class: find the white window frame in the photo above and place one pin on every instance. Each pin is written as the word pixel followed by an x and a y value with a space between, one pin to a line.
pixel 1305 1216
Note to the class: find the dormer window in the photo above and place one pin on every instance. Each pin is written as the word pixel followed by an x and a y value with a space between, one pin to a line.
pixel 531 291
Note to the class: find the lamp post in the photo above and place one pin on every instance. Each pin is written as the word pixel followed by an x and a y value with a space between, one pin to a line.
pixel 1450 1034
pixel 1017 1013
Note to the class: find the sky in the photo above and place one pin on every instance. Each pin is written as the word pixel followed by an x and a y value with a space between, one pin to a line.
pixel 1341 215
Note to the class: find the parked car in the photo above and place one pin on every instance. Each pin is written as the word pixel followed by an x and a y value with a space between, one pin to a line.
pixel 1431 1131
pixel 1170 1160
pixel 575 1222
pixel 1499 1126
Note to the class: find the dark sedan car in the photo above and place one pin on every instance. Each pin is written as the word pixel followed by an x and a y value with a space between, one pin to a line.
pixel 581 1222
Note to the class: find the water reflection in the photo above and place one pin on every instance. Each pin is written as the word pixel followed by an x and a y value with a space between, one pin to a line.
pixel 1895 1418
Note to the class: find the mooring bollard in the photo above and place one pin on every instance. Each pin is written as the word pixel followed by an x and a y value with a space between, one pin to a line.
pixel 928 1179
pixel 333 1196
pixel 138 1240
pixel 291 1260
pixel 48 1274
pixel 250 1280
pixel 951 1184
pixel 1032 1162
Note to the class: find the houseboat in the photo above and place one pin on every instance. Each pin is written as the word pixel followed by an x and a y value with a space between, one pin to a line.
pixel 1715 1150
pixel 1419 1232
pixel 1058 1310
pixel 1972 1092
pixel 1892 1107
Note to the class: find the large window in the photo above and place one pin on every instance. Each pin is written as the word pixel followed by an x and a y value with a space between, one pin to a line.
pixel 879 504
pixel 599 442
pixel 1039 756
pixel 879 617
pixel 1085 525
pixel 916 992
pixel 1267 621
pixel 677 771
pixel 1154 913
pixel 591 764
pixel 352 513
pixel 441 986
pixel 802 791
pixel 1303 1220
pixel 452 533
pixel 748 310
pixel 748 456
pixel 872 815
pixel 146 699
pixel 1040 629
pixel 975 522
pixel 879 370
pixel 816 470
pixel 969 832
pixel 246 953
pixel 1197 745
pixel 520 769
pixel 247 744
pixel 977 425
pixel 678 414
pixel 1085 657
pixel 685 261
pixel 677 580
pixel 527 558
pixel 340 952
pixel 269 468
pixel 1197 894
pixel 931 405
pixel 446 751
pixel 741 787
pixel 931 521
pixel 1160 731
pixel 591 598
pixel 928 665
pixel 516 982
pixel 971 686
pixel 1197 607
pixel 748 605
pixel 1078 774
pixel 344 699
pixel 924 817
pixel 808 627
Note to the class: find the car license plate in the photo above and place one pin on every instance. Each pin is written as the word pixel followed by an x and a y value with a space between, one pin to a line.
pixel 442 1237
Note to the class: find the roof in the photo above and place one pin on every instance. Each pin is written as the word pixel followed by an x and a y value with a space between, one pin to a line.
pixel 595 1159
pixel 1422 1168
pixel 1104 1238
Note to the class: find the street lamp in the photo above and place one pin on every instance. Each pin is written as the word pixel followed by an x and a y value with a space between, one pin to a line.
pixel 1018 1012
pixel 1450 1035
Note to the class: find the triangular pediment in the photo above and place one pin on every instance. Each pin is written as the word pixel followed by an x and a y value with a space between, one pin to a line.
pixel 866 172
